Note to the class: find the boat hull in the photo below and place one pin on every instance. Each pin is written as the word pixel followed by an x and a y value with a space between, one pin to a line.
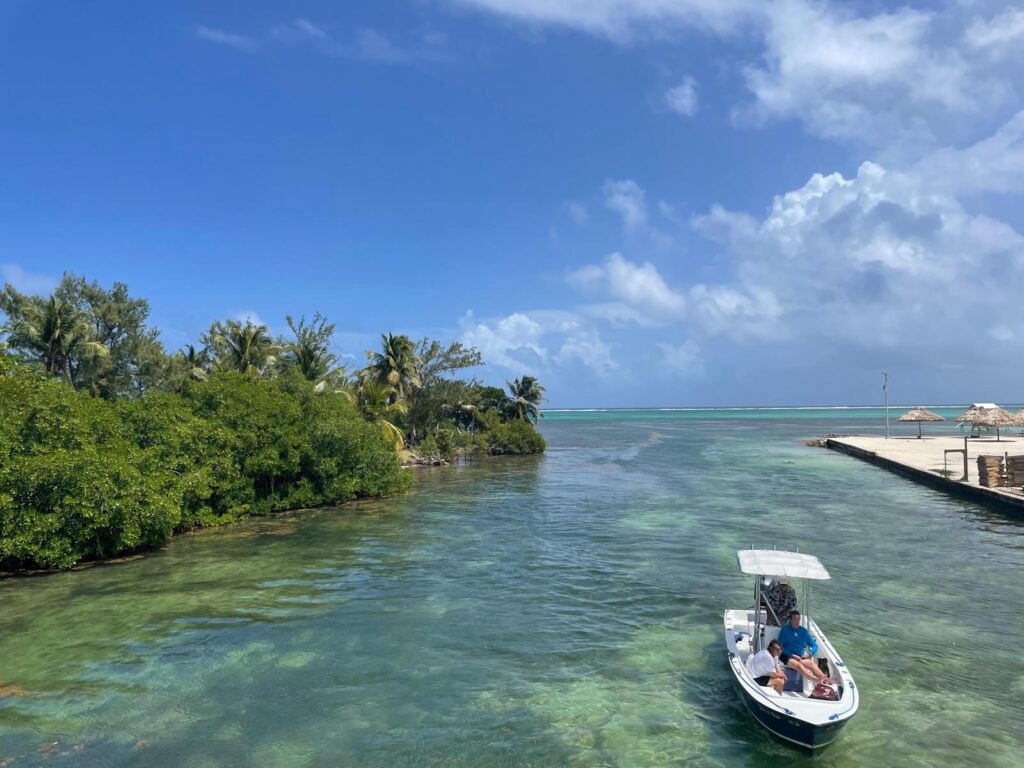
pixel 791 729
pixel 798 720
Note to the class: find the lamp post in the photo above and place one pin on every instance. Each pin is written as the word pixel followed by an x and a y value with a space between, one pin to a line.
pixel 885 390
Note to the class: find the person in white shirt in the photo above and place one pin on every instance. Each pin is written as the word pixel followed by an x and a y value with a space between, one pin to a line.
pixel 766 669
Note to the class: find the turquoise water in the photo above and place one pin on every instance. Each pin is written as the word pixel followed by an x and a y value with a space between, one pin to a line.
pixel 869 418
pixel 555 611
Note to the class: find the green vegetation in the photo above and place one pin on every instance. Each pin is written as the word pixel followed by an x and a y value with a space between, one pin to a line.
pixel 108 444
pixel 515 437
pixel 526 394
pixel 82 477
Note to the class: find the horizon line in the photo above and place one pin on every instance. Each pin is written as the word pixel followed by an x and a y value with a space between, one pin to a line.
pixel 751 408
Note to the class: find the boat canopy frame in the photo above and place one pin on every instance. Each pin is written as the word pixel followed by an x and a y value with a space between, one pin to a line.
pixel 773 563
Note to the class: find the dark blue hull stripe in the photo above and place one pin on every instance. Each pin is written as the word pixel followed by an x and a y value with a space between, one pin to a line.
pixel 792 729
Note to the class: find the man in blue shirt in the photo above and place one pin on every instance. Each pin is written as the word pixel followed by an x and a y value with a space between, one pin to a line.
pixel 798 646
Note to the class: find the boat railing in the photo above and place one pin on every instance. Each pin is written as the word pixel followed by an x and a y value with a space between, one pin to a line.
pixel 771 610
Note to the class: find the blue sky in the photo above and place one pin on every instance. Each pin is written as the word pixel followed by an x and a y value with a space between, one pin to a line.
pixel 642 202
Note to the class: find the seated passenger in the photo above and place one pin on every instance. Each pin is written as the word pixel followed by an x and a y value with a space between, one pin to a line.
pixel 765 667
pixel 782 599
pixel 798 648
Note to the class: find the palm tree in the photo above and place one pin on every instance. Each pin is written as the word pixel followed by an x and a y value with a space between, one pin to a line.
pixel 378 403
pixel 396 365
pixel 247 348
pixel 197 363
pixel 58 334
pixel 526 395
pixel 463 407
pixel 310 353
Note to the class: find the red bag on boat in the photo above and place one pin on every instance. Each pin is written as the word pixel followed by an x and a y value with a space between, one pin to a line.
pixel 827 691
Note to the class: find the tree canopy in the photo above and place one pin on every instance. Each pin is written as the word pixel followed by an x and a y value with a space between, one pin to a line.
pixel 97 339
pixel 310 351
pixel 109 444
pixel 527 395
pixel 247 348
pixel 82 477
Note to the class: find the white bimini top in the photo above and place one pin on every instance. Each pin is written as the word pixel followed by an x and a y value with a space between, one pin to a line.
pixel 772 562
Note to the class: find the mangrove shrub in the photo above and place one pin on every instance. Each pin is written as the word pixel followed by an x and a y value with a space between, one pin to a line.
pixel 83 477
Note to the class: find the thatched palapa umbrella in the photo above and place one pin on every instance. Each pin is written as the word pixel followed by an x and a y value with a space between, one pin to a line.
pixel 919 415
pixel 973 411
pixel 989 415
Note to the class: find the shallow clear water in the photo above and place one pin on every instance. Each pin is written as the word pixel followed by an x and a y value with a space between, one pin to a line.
pixel 557 611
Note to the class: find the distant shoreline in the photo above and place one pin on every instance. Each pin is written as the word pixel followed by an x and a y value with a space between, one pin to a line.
pixel 892 407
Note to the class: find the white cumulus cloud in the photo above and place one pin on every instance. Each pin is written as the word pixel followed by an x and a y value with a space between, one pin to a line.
pixel 522 341
pixel 643 297
pixel 511 342
pixel 899 255
pixel 627 199
pixel 886 78
pixel 998 35
pixel 730 311
pixel 586 346
pixel 877 260
pixel 994 164
pixel 682 99
pixel 639 287
pixel 862 78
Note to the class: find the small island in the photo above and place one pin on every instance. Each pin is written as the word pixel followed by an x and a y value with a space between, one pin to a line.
pixel 109 444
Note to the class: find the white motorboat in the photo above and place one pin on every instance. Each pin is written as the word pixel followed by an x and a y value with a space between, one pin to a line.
pixel 793 715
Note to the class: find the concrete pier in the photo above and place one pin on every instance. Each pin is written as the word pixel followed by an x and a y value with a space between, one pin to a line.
pixel 921 460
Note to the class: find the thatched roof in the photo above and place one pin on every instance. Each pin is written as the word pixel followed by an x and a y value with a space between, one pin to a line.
pixel 969 414
pixel 973 413
pixel 920 414
pixel 991 417
pixel 995 417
